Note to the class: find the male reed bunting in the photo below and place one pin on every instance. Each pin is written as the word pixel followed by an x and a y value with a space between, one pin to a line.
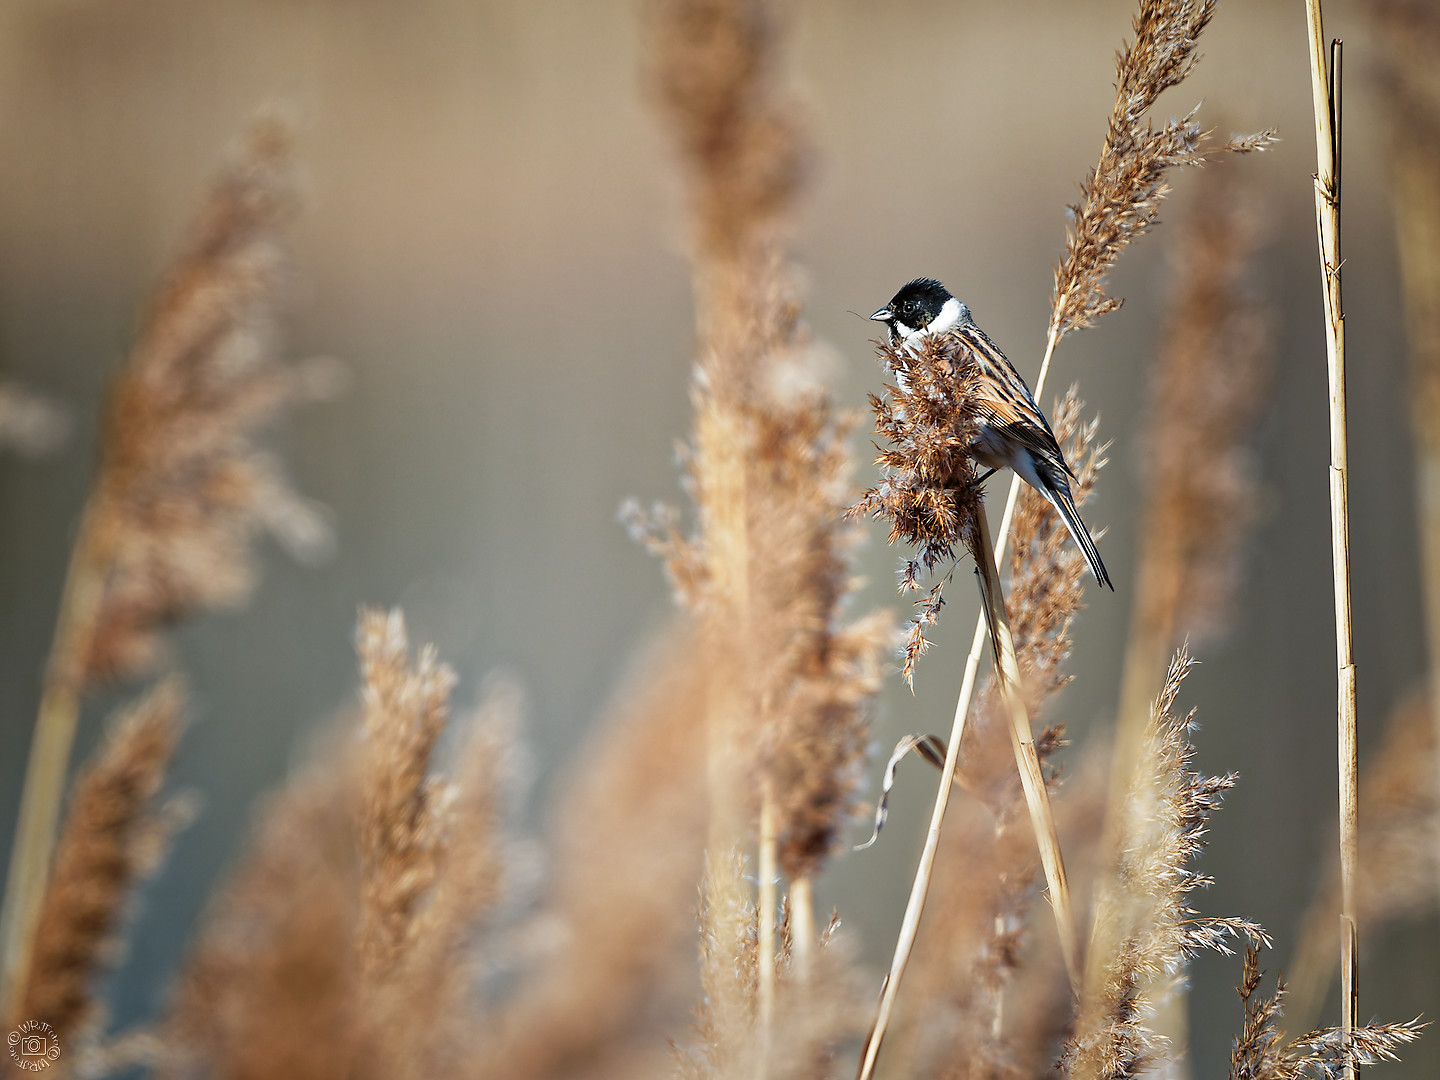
pixel 1013 431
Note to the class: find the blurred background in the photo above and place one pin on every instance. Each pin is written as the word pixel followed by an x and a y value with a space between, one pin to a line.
pixel 493 244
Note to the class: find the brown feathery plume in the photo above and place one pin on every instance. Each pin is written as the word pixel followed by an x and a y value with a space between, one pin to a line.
pixel 1121 195
pixel 405 711
pixel 1260 1052
pixel 181 490
pixel 986 868
pixel 112 837
pixel 1144 931
pixel 1399 816
pixel 627 840
pixel 342 945
pixel 730 1039
pixel 1120 199
pixel 768 571
pixel 30 423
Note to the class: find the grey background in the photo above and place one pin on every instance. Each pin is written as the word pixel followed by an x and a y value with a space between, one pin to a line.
pixel 494 245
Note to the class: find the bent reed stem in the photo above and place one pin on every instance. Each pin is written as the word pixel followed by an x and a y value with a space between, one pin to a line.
pixel 997 630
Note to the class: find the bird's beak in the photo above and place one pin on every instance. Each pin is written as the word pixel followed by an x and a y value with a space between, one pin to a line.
pixel 883 315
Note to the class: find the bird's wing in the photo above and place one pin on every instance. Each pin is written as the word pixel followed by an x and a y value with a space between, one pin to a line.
pixel 1006 403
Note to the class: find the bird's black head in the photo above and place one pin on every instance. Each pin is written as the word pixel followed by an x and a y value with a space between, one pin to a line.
pixel 920 306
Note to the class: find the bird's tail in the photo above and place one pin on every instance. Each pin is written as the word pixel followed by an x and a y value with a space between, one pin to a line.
pixel 1059 497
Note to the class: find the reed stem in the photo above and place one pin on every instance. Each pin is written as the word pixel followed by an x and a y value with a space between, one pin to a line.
pixel 1022 739
pixel 1325 88
pixel 769 870
pixel 802 924
pixel 995 628
pixel 50 748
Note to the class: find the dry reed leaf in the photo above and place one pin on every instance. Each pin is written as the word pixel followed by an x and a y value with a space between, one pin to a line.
pixel 113 835
pixel 1144 931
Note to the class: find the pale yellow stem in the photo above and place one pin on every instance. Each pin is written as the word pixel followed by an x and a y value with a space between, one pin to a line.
pixel 802 927
pixel 50 746
pixel 1325 88
pixel 769 870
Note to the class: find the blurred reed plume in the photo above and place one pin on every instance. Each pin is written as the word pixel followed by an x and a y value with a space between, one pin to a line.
pixel 113 835
pixel 344 945
pixel 768 569
pixel 181 489
pixel 627 848
pixel 30 423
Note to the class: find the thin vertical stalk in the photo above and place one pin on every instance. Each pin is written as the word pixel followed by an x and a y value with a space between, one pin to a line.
pixel 1325 88
pixel 802 924
pixel 50 748
pixel 769 870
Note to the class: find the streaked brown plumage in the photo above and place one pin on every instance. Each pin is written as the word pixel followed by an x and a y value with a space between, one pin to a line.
pixel 1013 432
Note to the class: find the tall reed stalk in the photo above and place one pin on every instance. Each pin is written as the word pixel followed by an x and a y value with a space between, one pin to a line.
pixel 1326 90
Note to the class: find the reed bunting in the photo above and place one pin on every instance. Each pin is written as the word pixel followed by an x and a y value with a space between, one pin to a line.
pixel 1013 431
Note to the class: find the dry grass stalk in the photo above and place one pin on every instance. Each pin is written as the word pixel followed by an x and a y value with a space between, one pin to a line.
pixel 343 945
pixel 181 491
pixel 627 844
pixel 1144 930
pixel 1120 199
pixel 1399 816
pixel 1261 1053
pixel 108 842
pixel 1325 81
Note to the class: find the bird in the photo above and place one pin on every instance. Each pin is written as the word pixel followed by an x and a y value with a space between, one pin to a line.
pixel 1013 432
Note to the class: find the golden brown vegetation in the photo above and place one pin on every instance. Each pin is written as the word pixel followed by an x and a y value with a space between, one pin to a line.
pixel 367 929
pixel 182 489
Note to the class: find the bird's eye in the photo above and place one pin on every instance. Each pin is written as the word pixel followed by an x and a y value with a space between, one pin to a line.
pixel 909 306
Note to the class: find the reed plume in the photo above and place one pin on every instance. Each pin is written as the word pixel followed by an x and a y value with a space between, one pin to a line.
pixel 1145 931
pixel 1260 1051
pixel 345 945
pixel 112 837
pixel 626 847
pixel 768 568
pixel 182 488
